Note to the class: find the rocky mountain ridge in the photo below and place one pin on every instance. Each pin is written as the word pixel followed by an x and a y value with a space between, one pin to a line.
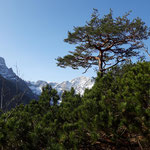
pixel 35 88
pixel 6 72
pixel 79 84
pixel 13 90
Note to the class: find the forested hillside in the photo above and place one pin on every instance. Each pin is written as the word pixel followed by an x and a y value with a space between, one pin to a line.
pixel 114 114
pixel 13 90
pixel 13 93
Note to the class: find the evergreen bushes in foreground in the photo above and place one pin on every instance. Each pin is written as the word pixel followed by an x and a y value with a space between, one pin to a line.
pixel 114 114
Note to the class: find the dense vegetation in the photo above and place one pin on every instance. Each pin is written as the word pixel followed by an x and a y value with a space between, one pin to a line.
pixel 114 114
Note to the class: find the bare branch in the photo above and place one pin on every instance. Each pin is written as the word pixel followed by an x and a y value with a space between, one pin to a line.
pixel 87 68
pixel 118 61
pixel 146 50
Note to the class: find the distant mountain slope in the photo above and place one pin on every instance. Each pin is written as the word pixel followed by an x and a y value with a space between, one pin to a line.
pixel 13 90
pixel 10 95
pixel 79 84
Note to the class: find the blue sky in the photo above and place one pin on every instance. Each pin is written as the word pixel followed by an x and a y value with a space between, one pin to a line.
pixel 32 32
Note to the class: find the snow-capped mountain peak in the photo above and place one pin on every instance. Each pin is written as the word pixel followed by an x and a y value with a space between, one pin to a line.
pixel 14 80
pixel 2 61
pixel 79 84
pixel 82 83
pixel 6 72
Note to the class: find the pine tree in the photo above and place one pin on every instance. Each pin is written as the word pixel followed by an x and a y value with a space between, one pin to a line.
pixel 105 42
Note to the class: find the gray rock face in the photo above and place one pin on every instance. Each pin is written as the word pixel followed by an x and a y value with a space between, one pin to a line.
pixel 6 72
pixel 35 88
pixel 2 61
pixel 21 85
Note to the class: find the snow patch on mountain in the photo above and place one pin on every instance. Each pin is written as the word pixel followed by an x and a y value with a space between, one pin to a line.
pixel 20 84
pixel 36 87
pixel 6 72
pixel 79 84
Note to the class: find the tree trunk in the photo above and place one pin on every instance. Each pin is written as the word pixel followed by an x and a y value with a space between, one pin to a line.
pixel 100 62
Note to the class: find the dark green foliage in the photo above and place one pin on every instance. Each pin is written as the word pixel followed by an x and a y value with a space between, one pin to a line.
pixel 122 104
pixel 105 42
pixel 49 96
pixel 114 114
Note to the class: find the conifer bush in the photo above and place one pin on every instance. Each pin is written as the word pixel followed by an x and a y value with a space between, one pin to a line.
pixel 114 114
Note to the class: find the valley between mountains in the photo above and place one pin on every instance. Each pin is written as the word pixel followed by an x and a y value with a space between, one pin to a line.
pixel 24 91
